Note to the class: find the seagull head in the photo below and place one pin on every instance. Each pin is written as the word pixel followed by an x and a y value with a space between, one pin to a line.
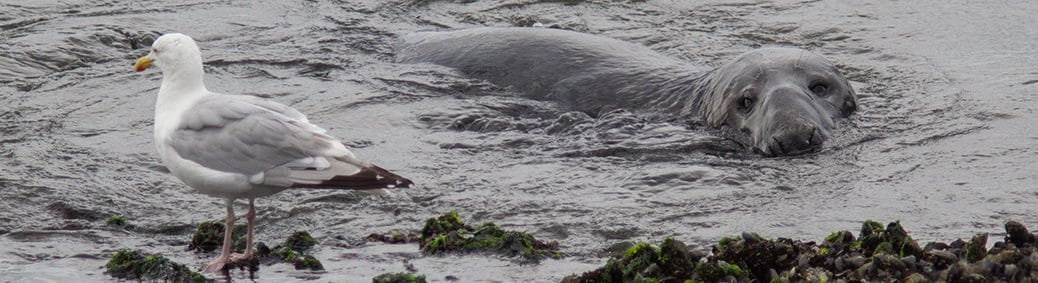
pixel 172 53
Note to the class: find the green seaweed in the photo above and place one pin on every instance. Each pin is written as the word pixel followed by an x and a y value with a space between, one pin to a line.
pixel 287 255
pixel 646 263
pixel 297 258
pixel 724 242
pixel 883 248
pixel 134 265
pixel 841 242
pixel 759 255
pixel 873 237
pixel 834 237
pixel 447 234
pixel 308 262
pixel 975 248
pixel 442 225
pixel 717 271
pixel 675 256
pixel 855 246
pixel 293 250
pixel 116 221
pixel 300 241
pixel 209 237
pixel 398 277
pixel 640 261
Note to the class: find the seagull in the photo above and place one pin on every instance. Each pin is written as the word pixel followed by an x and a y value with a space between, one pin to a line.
pixel 240 146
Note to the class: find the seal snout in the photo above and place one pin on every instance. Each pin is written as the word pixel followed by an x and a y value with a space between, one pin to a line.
pixel 798 139
pixel 795 123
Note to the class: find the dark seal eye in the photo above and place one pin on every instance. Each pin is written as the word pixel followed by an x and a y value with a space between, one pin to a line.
pixel 746 104
pixel 819 89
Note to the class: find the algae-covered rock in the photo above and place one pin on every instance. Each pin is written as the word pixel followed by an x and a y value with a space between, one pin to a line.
pixel 293 251
pixel 308 262
pixel 975 249
pixel 760 255
pixel 1017 234
pixel 893 240
pixel 393 238
pixel 398 277
pixel 447 234
pixel 839 243
pixel 880 254
pixel 441 225
pixel 671 262
pixel 135 265
pixel 300 241
pixel 675 256
pixel 209 237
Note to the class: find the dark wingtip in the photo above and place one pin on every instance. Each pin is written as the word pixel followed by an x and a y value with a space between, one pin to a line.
pixel 397 181
pixel 370 178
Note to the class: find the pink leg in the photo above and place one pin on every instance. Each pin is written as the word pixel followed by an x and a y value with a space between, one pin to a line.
pixel 250 217
pixel 225 253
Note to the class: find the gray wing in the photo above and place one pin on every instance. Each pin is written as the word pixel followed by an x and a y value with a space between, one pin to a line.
pixel 247 135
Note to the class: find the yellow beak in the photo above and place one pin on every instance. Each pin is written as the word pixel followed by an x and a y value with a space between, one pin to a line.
pixel 142 63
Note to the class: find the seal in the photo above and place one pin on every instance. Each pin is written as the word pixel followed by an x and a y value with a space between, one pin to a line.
pixel 779 101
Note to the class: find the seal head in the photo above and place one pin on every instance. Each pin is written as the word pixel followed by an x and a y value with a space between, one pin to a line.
pixel 785 99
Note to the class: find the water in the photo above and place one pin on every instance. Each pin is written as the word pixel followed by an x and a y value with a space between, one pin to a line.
pixel 944 140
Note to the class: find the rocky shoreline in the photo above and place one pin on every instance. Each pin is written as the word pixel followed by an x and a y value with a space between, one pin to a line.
pixel 877 253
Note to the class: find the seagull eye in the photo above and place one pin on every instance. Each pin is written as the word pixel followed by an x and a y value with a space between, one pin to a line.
pixel 155 50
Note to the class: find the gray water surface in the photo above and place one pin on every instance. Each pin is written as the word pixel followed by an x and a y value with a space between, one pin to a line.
pixel 944 141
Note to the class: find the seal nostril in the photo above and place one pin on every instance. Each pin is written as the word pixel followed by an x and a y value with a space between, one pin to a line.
pixel 817 139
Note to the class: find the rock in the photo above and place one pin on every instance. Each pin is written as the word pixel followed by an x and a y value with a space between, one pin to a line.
pixel 909 262
pixel 616 250
pixel 941 259
pixel 675 257
pixel 892 240
pixel 759 255
pixel 447 234
pixel 209 237
pixel 883 254
pixel 134 265
pixel 399 277
pixel 915 278
pixel 975 249
pixel 890 264
pixel 838 243
pixel 393 238
pixel 1017 234
pixel 300 241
